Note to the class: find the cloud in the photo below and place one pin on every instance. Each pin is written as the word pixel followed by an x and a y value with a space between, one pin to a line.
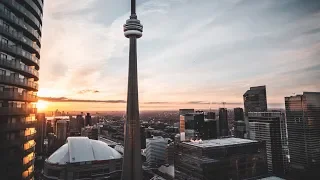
pixel 215 52
pixel 158 103
pixel 64 99
pixel 86 91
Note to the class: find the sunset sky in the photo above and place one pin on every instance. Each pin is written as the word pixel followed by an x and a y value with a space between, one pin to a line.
pixel 191 52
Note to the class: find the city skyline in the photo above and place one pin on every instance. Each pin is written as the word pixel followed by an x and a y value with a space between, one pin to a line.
pixel 214 55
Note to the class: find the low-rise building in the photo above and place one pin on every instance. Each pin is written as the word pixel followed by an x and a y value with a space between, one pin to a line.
pixel 156 151
pixel 228 158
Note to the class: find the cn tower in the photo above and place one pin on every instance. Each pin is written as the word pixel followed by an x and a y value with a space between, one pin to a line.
pixel 132 166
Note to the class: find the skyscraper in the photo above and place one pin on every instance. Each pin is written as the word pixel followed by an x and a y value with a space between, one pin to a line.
pixel 255 100
pixel 88 120
pixel 20 34
pixel 156 151
pixel 239 124
pixel 223 122
pixel 267 126
pixel 192 126
pixel 238 114
pixel 132 166
pixel 41 133
pixel 303 122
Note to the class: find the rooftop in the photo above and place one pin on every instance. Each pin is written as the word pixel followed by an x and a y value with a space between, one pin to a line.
pixel 82 149
pixel 219 142
pixel 271 178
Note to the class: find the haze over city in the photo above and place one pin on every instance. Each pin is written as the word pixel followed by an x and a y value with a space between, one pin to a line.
pixel 192 52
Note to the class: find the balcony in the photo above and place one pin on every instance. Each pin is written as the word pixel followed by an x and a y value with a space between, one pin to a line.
pixel 21 39
pixel 22 83
pixel 40 3
pixel 17 126
pixel 30 149
pixel 16 96
pixel 35 8
pixel 18 22
pixel 20 68
pixel 17 142
pixel 16 6
pixel 15 51
pixel 29 163
pixel 17 111
pixel 27 175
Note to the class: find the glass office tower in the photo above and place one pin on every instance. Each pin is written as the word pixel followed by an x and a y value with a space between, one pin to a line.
pixel 303 123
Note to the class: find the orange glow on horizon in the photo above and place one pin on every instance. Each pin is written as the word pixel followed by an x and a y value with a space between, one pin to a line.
pixel 42 105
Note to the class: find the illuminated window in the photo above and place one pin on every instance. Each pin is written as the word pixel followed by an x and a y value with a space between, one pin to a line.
pixel 29 144
pixel 28 158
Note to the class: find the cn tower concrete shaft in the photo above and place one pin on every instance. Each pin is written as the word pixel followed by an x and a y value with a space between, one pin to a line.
pixel 132 166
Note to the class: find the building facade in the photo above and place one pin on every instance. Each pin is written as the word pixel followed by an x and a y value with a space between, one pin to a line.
pixel 255 100
pixel 303 122
pixel 238 114
pixel 210 129
pixel 41 133
pixel 156 148
pixel 88 120
pixel 239 124
pixel 223 122
pixel 20 35
pixel 191 126
pixel 267 126
pixel 90 131
pixel 228 158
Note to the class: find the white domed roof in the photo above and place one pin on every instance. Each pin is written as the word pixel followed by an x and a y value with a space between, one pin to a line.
pixel 80 149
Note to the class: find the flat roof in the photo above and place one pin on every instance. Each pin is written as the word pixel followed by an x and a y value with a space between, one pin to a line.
pixel 220 142
pixel 271 178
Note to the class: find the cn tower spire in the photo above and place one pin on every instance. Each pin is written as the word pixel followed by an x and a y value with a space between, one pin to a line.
pixel 132 166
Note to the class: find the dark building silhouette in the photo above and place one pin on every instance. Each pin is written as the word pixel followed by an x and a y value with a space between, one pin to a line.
pixel 239 129
pixel 88 120
pixel 132 165
pixel 211 115
pixel 210 129
pixel 80 121
pixel 192 126
pixel 220 159
pixel 185 111
pixel 143 137
pixel 41 133
pixel 90 131
pixel 255 100
pixel 20 35
pixel 223 122
pixel 268 127
pixel 239 124
pixel 303 123
pixel 238 114
pixel 75 126
pixel 49 127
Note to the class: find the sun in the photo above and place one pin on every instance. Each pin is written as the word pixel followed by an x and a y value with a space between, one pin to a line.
pixel 42 105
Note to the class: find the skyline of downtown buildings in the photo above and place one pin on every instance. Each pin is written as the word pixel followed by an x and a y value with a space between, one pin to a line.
pixel 21 25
